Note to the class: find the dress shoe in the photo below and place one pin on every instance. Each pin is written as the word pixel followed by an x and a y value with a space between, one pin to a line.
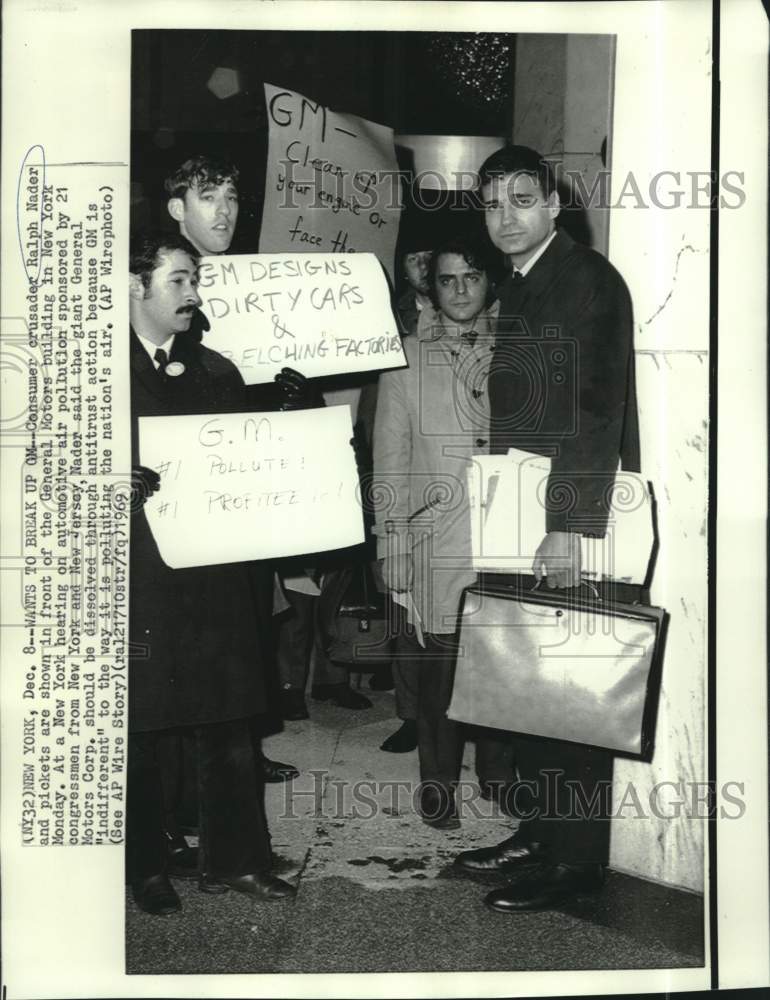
pixel 274 771
pixel 511 853
pixel 341 695
pixel 382 679
pixel 404 740
pixel 182 860
pixel 543 889
pixel 261 885
pixel 293 707
pixel 156 895
pixel 438 808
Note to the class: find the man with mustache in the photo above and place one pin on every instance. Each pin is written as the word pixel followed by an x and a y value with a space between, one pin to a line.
pixel 196 644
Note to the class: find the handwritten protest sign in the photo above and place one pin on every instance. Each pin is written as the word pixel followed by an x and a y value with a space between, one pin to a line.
pixel 324 314
pixel 332 181
pixel 242 486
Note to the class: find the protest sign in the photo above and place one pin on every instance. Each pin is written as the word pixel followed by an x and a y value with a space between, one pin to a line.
pixel 242 486
pixel 325 314
pixel 332 181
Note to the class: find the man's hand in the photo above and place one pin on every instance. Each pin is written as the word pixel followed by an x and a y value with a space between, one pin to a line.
pixel 558 558
pixel 297 392
pixel 397 572
pixel 144 482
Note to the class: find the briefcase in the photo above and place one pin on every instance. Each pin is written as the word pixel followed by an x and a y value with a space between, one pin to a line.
pixel 562 665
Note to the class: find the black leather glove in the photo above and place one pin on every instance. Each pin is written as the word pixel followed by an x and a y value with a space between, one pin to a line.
pixel 297 392
pixel 144 482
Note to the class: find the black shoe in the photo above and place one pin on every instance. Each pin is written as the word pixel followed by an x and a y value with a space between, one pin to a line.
pixel 382 679
pixel 261 885
pixel 341 695
pixel 274 771
pixel 511 853
pixel 403 740
pixel 438 808
pixel 182 859
pixel 293 707
pixel 156 895
pixel 543 889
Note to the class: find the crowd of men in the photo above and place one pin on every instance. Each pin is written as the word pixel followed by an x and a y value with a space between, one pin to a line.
pixel 208 651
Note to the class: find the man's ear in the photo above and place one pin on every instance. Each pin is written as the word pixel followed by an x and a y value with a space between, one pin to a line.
pixel 554 204
pixel 175 208
pixel 135 286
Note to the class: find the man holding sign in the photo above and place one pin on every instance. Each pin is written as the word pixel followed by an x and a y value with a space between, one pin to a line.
pixel 196 642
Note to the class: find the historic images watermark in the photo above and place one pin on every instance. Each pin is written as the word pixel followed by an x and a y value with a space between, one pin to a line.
pixel 549 798
pixel 339 190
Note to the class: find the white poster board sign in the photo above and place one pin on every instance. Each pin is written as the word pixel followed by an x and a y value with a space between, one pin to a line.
pixel 508 520
pixel 332 181
pixel 240 486
pixel 323 314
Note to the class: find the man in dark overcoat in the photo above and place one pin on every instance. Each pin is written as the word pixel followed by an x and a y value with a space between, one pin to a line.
pixel 561 384
pixel 196 639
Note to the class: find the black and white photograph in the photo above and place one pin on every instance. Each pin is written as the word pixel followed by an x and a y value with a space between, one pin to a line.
pixel 338 761
pixel 380 596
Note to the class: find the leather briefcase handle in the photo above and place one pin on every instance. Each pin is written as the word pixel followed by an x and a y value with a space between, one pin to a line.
pixel 583 583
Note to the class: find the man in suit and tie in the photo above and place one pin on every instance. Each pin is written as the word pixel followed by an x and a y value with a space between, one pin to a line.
pixel 561 384
pixel 197 653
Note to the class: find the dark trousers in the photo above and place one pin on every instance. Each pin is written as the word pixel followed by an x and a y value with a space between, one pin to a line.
pixel 295 643
pixel 234 838
pixel 405 684
pixel 404 676
pixel 441 740
pixel 568 788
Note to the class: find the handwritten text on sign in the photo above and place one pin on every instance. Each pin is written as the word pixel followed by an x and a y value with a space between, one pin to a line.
pixel 332 181
pixel 242 486
pixel 324 314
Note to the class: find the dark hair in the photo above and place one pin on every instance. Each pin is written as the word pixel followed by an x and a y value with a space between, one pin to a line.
pixel 518 160
pixel 146 248
pixel 472 252
pixel 199 171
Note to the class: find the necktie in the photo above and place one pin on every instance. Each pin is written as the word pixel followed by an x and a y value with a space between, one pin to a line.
pixel 161 358
pixel 518 276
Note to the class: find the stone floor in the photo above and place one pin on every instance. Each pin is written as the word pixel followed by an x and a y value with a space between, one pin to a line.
pixel 377 891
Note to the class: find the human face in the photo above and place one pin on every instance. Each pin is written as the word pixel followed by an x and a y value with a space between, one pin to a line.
pixel 461 290
pixel 416 270
pixel 207 215
pixel 519 218
pixel 167 306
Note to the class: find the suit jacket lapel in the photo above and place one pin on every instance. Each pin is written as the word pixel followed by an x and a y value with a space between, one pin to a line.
pixel 536 284
pixel 143 370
